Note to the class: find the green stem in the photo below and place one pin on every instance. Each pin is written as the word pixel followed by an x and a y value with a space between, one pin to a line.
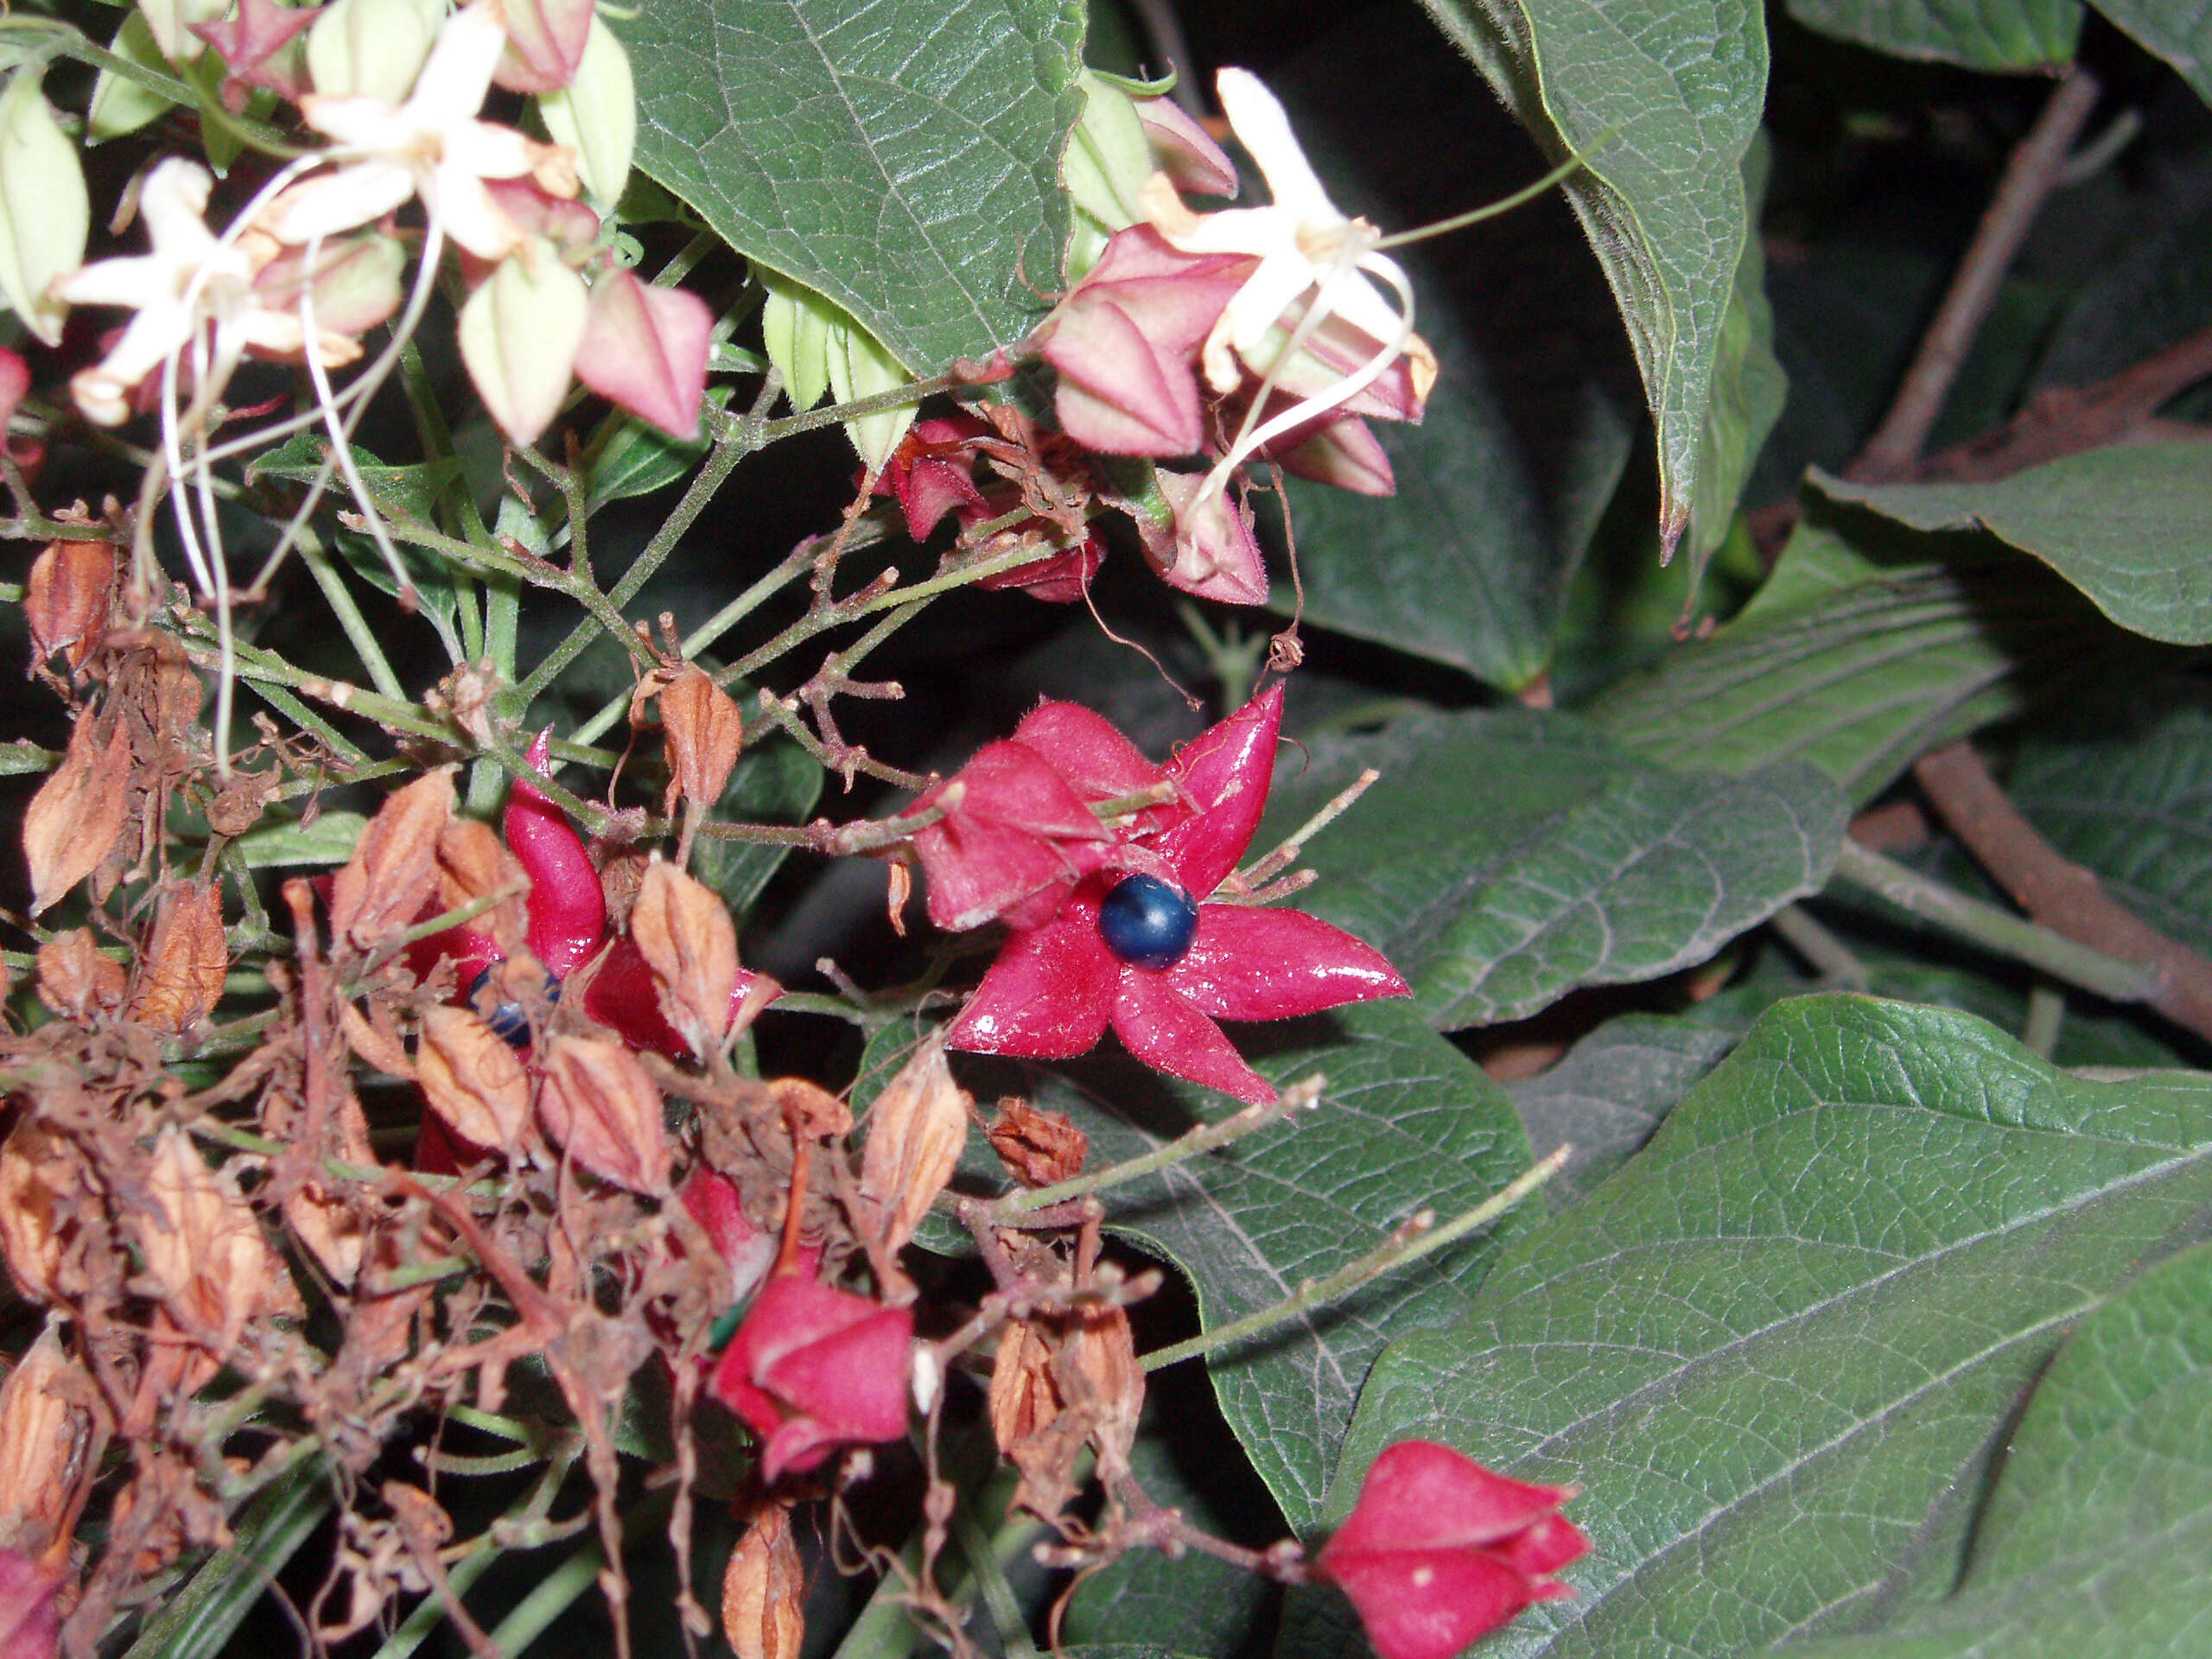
pixel 356 626
pixel 1400 1251
pixel 1993 929
pixel 559 1590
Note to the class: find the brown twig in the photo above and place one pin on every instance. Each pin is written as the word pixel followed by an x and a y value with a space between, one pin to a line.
pixel 2030 176
pixel 2057 892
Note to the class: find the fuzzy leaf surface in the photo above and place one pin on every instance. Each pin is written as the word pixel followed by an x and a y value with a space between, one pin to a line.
pixel 1778 1345
pixel 1996 36
pixel 901 157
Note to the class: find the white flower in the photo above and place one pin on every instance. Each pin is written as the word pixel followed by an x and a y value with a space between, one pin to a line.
pixel 432 145
pixel 191 277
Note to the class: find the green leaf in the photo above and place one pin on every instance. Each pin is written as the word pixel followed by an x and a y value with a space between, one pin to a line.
pixel 2180 35
pixel 329 838
pixel 2130 797
pixel 1990 35
pixel 1505 859
pixel 406 494
pixel 637 458
pixel 2095 1541
pixel 1661 101
pixel 1779 1349
pixel 199 1620
pixel 1748 389
pixel 1861 652
pixel 2128 525
pixel 776 782
pixel 1469 563
pixel 1406 1124
pixel 901 157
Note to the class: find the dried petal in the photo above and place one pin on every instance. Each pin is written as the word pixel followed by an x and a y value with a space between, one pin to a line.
pixel 204 1247
pixel 45 1430
pixel 181 970
pixel 915 1131
pixel 1023 1402
pixel 40 1192
pixel 473 1079
pixel 77 813
pixel 686 936
pixel 473 864
pixel 75 980
pixel 66 598
pixel 601 1107
pixel 703 728
pixel 394 872
pixel 1037 1148
pixel 764 1589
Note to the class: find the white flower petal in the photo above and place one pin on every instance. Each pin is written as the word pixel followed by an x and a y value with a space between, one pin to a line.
pixel 354 195
pixel 458 73
pixel 1263 129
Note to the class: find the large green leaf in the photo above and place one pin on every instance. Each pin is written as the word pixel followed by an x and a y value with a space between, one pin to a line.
pixel 1660 99
pixel 1861 652
pixel 2128 525
pixel 1406 1124
pixel 1993 34
pixel 901 157
pixel 1504 858
pixel 2131 798
pixel 1779 1348
pixel 2096 1542
pixel 2182 35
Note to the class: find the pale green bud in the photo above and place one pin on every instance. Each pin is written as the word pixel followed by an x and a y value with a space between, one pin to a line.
pixel 1109 158
pixel 121 104
pixel 519 335
pixel 795 322
pixel 860 366
pixel 45 214
pixel 595 115
pixel 372 47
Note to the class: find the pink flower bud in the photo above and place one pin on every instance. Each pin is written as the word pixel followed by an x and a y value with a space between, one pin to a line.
pixel 1439 1551
pixel 1209 549
pixel 812 1368
pixel 645 349
pixel 545 41
pixel 1186 151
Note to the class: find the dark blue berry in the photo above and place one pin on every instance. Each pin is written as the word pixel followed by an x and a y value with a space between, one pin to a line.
pixel 509 1020
pixel 1148 922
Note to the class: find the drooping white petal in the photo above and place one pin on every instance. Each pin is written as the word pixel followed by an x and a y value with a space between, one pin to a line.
pixel 1263 129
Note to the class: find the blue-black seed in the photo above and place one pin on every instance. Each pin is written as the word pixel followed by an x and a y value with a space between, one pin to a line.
pixel 1148 922
pixel 509 1020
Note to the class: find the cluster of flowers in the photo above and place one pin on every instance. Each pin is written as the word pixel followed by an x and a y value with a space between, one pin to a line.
pixel 314 259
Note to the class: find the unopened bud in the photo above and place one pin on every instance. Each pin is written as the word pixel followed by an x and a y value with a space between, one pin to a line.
pixel 181 970
pixel 77 812
pixel 545 41
pixel 45 214
pixel 764 1588
pixel 373 48
pixel 394 872
pixel 472 1079
pixel 595 115
pixel 860 366
pixel 915 1131
pixel 65 599
pixel 703 728
pixel 645 349
pixel 601 1107
pixel 519 335
pixel 685 935
pixel 75 980
pixel 795 323
pixel 357 282
pixel 1107 163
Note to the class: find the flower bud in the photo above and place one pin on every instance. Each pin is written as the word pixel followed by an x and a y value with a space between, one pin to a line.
pixel 1107 163
pixel 181 971
pixel 645 349
pixel 357 284
pixel 764 1589
pixel 545 41
pixel 795 325
pixel 170 21
pixel 1209 548
pixel 595 115
pixel 817 348
pixel 915 1131
pixel 75 980
pixel 861 366
pixel 77 812
pixel 601 1107
pixel 702 728
pixel 519 335
pixel 393 872
pixel 121 105
pixel 472 1079
pixel 65 599
pixel 686 936
pixel 373 48
pixel 45 213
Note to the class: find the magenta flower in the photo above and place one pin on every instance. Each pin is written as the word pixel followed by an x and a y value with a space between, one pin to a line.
pixel 1152 945
pixel 931 472
pixel 812 1368
pixel 1439 1551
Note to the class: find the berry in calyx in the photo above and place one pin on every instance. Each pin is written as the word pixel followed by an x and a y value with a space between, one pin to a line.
pixel 509 1019
pixel 1147 922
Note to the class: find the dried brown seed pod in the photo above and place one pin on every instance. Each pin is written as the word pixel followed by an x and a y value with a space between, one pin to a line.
pixel 764 1588
pixel 65 599
pixel 394 872
pixel 686 936
pixel 915 1131
pixel 601 1107
pixel 473 1077
pixel 703 731
pixel 181 970
pixel 77 813
pixel 76 981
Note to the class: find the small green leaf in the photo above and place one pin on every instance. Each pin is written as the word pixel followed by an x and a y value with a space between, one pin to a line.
pixel 1989 34
pixel 330 838
pixel 637 458
pixel 2096 1543
pixel 2128 525
pixel 1661 101
pixel 1779 1346
pixel 901 157
pixel 1505 859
